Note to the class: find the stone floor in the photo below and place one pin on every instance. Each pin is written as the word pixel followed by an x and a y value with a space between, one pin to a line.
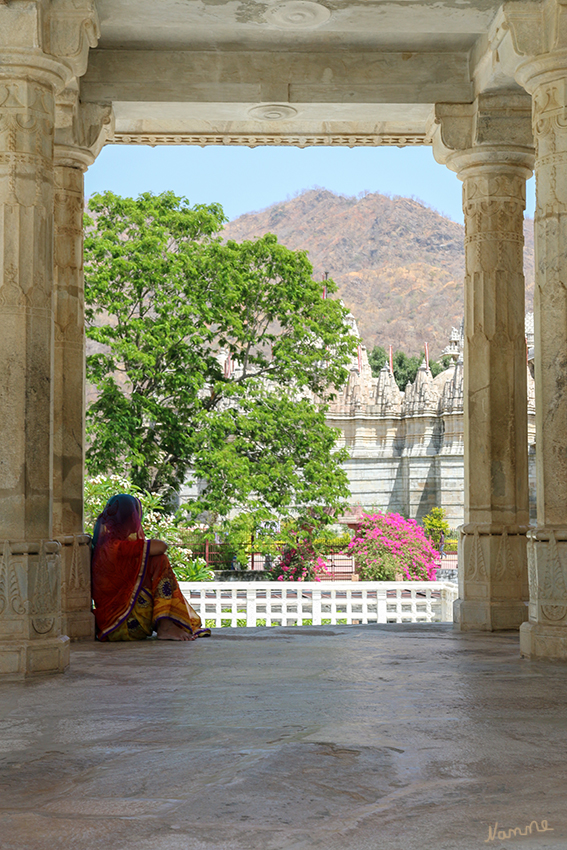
pixel 335 738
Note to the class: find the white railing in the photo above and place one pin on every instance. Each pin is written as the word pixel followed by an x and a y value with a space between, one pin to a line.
pixel 243 603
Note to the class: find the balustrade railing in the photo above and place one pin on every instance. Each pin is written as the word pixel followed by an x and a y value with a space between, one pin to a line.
pixel 273 603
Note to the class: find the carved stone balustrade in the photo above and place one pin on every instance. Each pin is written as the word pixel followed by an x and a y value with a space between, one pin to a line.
pixel 30 609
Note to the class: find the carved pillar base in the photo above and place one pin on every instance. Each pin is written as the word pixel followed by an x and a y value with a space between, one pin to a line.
pixel 77 618
pixel 30 605
pixel 492 578
pixel 545 634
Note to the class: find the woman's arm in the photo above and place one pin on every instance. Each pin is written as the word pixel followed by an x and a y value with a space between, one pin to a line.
pixel 158 547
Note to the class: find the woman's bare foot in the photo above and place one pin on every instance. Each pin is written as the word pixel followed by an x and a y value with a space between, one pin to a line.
pixel 168 630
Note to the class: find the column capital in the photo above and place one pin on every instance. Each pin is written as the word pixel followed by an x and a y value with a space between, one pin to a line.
pixel 494 130
pixel 73 29
pixel 539 33
pixel 81 129
pixel 47 40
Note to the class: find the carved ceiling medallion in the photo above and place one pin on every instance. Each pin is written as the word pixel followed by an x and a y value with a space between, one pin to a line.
pixel 297 15
pixel 272 112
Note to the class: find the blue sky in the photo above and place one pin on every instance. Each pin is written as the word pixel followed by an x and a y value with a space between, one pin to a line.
pixel 244 179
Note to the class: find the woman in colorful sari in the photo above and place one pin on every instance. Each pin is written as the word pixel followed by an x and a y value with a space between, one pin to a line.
pixel 134 588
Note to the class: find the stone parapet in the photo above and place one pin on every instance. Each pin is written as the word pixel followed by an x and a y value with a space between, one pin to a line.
pixel 545 634
pixel 77 618
pixel 493 586
pixel 30 609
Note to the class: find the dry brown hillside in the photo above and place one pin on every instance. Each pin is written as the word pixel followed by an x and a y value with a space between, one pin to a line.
pixel 398 264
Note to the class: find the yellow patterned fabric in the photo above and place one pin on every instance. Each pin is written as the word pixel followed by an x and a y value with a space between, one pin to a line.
pixel 139 624
pixel 160 597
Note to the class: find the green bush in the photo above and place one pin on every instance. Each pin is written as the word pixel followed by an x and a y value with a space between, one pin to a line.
pixel 157 523
pixel 300 558
pixel 384 570
pixel 194 570
pixel 234 538
pixel 328 542
pixel 435 523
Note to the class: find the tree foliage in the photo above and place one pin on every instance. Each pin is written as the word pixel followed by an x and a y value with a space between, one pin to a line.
pixel 438 366
pixel 435 523
pixel 405 366
pixel 156 522
pixel 377 358
pixel 206 355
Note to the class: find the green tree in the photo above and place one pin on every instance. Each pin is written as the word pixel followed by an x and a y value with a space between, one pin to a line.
pixel 405 366
pixel 438 366
pixel 377 357
pixel 435 523
pixel 207 354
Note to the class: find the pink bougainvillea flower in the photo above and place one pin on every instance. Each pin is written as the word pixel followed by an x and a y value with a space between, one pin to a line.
pixel 383 537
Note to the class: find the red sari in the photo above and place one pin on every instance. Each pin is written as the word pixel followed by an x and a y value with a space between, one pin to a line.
pixel 133 590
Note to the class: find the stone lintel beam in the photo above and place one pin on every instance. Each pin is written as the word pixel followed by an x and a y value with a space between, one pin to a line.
pixel 275 77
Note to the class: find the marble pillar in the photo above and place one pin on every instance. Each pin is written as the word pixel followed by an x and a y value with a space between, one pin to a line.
pixel 42 47
pixel 69 392
pixel 80 132
pixel 30 573
pixel 544 75
pixel 488 144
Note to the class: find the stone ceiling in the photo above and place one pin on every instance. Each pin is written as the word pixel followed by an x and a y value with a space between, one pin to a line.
pixel 291 71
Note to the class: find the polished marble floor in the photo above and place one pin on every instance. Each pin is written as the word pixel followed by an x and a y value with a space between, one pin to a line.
pixel 326 738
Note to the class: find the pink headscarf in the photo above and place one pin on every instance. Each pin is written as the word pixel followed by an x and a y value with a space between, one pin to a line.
pixel 120 555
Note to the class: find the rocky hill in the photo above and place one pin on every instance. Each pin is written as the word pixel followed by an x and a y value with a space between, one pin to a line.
pixel 398 264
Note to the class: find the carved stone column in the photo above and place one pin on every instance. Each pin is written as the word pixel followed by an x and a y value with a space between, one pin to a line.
pixel 69 368
pixel 69 395
pixel 539 32
pixel 80 133
pixel 30 563
pixel 488 144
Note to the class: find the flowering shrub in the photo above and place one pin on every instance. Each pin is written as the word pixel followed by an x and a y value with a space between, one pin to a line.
pixel 299 561
pixel 387 544
pixel 157 524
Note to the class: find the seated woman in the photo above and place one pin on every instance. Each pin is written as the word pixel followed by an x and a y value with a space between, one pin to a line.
pixel 134 588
